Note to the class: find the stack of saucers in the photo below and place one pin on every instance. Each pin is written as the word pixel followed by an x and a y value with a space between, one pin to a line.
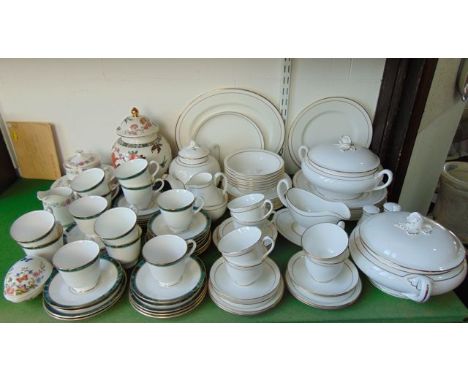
pixel 199 230
pixel 262 295
pixel 63 303
pixel 254 171
pixel 161 287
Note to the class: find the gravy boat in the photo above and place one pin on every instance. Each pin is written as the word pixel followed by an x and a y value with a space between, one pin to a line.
pixel 308 209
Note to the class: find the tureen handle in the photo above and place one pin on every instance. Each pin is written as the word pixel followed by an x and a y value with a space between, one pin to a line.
pixel 303 151
pixel 380 176
pixel 281 189
pixel 422 286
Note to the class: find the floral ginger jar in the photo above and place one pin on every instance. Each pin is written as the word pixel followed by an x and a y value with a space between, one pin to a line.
pixel 140 138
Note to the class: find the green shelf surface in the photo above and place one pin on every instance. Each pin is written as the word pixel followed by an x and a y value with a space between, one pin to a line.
pixel 372 306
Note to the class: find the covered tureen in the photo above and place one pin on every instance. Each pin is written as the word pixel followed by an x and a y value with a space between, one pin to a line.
pixel 408 255
pixel 140 138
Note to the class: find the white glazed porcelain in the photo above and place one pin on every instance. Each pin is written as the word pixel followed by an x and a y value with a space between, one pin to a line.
pixel 167 256
pixel 242 275
pixel 140 198
pixel 79 162
pixel 126 253
pixel 343 170
pixel 91 182
pixel 205 185
pixel 308 209
pixel 177 208
pixel 117 226
pixel 245 246
pixel 46 251
pixel 250 208
pixel 78 264
pixel 34 228
pixel 137 173
pixel 56 201
pixel 86 210
pixel 217 211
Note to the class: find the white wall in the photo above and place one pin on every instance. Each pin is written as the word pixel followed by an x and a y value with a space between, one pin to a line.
pixel 87 99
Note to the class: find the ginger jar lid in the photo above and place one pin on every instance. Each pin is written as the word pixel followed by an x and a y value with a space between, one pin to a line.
pixel 136 125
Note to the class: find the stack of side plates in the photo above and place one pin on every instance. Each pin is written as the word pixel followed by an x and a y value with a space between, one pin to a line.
pixel 258 297
pixel 268 228
pixel 335 294
pixel 143 216
pixel 199 230
pixel 62 303
pixel 151 299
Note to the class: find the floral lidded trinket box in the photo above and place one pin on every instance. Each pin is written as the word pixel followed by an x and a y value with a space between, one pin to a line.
pixel 139 137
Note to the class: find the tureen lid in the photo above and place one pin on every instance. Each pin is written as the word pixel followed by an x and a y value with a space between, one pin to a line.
pixel 344 156
pixel 82 159
pixel 26 278
pixel 193 151
pixel 412 241
pixel 136 126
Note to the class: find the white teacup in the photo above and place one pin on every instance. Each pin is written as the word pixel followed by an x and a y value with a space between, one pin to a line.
pixel 94 181
pixel 205 185
pixel 78 264
pixel 251 208
pixel 245 246
pixel 35 228
pixel 137 173
pixel 47 251
pixel 140 198
pixel 85 211
pixel 177 208
pixel 117 226
pixel 244 276
pixel 167 256
pixel 127 254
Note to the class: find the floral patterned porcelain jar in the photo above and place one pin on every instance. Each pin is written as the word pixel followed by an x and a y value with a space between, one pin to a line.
pixel 140 138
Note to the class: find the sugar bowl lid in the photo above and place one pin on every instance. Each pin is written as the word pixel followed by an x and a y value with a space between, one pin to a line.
pixel 193 152
pixel 344 156
pixel 82 160
pixel 136 126
pixel 412 241
pixel 26 278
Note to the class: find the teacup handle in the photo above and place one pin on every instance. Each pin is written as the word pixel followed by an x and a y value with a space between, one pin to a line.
pixel 193 244
pixel 272 216
pixel 281 189
pixel 341 224
pixel 380 176
pixel 303 151
pixel 267 204
pixel 217 177
pixel 269 245
pixel 156 169
pixel 158 189
pixel 202 204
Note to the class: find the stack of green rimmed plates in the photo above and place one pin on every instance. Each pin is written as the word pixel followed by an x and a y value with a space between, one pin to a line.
pixel 62 303
pixel 199 230
pixel 151 299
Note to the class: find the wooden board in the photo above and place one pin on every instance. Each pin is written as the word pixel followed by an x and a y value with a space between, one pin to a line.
pixel 35 150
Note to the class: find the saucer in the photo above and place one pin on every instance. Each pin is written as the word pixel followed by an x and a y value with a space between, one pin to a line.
pixel 151 209
pixel 200 223
pixel 58 293
pixel 355 205
pixel 73 233
pixel 284 223
pixel 144 285
pixel 228 225
pixel 342 284
pixel 324 302
pixel 222 283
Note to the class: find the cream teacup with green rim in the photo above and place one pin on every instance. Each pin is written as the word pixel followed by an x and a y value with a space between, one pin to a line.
pixel 140 198
pixel 137 173
pixel 78 264
pixel 126 254
pixel 85 211
pixel 167 256
pixel 177 208
pixel 35 228
pixel 94 181
pixel 117 226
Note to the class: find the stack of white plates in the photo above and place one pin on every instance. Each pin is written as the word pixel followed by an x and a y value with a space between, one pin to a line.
pixel 338 293
pixel 62 303
pixel 151 299
pixel 199 230
pixel 256 298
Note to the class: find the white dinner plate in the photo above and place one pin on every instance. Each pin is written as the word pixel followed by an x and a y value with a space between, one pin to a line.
pixel 325 121
pixel 229 120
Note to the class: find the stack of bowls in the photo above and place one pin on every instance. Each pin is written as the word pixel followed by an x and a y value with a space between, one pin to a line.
pixel 168 282
pixel 86 282
pixel 321 275
pixel 244 280
pixel 38 234
pixel 254 171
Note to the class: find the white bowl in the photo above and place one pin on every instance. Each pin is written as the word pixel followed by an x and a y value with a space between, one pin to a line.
pixel 254 162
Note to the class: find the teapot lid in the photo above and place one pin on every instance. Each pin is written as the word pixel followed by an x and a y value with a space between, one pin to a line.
pixel 136 126
pixel 344 156
pixel 412 241
pixel 193 151
pixel 26 278
pixel 82 159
